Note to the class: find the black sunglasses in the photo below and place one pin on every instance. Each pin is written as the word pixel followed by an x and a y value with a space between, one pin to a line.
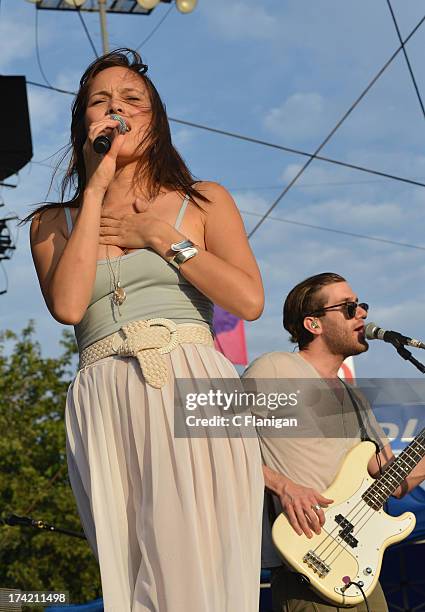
pixel 350 309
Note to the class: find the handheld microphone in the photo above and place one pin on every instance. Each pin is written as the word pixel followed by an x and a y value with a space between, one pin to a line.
pixel 103 143
pixel 374 332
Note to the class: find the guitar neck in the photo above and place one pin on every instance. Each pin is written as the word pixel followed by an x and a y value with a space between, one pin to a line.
pixel 387 483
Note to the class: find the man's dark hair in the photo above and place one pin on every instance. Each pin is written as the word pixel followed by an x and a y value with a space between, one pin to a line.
pixel 302 300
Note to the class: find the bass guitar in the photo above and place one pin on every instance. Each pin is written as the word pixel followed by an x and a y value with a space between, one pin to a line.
pixel 357 530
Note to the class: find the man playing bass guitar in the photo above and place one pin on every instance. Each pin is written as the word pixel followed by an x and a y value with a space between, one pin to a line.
pixel 325 319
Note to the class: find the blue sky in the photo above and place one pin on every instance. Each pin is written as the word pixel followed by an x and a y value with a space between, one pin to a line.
pixel 283 71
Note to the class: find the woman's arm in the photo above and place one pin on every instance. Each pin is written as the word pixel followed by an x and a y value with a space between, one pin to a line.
pixel 225 270
pixel 66 269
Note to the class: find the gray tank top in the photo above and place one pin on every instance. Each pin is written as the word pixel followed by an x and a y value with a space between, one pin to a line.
pixel 154 288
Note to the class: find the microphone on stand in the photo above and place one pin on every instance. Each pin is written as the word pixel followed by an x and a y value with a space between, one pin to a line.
pixel 103 143
pixel 374 332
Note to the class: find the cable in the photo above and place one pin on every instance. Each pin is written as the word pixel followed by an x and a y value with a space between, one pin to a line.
pixel 303 186
pixel 332 132
pixel 65 91
pixel 406 58
pixel 158 25
pixel 237 136
pixel 86 31
pixel 232 188
pixel 359 586
pixel 336 231
pixel 329 160
pixel 37 51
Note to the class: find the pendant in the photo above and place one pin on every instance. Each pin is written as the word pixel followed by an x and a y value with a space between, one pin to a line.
pixel 119 296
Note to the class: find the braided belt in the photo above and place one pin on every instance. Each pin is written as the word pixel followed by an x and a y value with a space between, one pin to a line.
pixel 148 341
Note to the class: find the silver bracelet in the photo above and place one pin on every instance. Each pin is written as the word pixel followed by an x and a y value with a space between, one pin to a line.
pixel 184 250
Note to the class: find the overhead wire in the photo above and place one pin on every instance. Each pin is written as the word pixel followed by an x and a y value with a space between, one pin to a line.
pixel 296 151
pixel 337 231
pixel 265 143
pixel 325 141
pixel 233 188
pixel 83 23
pixel 155 29
pixel 406 57
pixel 302 186
pixel 334 129
pixel 52 87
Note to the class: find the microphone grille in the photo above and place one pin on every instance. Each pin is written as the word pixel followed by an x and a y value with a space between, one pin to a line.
pixel 371 331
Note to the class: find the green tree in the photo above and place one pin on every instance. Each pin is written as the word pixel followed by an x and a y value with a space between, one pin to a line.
pixel 33 472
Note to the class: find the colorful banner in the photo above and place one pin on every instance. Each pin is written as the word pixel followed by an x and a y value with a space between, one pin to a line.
pixel 230 336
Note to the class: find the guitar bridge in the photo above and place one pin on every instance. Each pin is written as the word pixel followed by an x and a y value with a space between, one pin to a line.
pixel 317 565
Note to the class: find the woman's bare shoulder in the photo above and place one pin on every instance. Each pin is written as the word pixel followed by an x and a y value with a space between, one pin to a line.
pixel 51 220
pixel 217 195
pixel 212 190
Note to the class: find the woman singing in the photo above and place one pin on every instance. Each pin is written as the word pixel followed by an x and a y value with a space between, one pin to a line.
pixel 135 261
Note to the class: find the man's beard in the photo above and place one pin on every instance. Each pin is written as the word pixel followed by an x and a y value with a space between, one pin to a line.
pixel 345 344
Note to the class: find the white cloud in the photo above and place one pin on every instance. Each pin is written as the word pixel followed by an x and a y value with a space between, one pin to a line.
pixel 182 137
pixel 250 201
pixel 353 215
pixel 300 116
pixel 16 41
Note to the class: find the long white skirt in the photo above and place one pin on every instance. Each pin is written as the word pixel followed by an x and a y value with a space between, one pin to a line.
pixel 175 523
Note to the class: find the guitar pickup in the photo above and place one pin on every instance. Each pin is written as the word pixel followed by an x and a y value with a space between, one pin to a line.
pixel 343 522
pixel 346 529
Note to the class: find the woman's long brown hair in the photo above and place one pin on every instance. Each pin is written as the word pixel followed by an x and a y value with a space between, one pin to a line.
pixel 159 165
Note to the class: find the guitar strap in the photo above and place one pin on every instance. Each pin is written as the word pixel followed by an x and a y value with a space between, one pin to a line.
pixel 363 432
pixel 364 436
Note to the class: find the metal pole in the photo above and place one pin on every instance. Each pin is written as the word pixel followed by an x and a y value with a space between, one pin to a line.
pixel 103 27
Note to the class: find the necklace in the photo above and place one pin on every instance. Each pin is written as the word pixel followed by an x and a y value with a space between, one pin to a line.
pixel 118 295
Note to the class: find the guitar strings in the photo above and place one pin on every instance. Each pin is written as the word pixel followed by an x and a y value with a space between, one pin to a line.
pixel 344 545
pixel 412 447
pixel 331 535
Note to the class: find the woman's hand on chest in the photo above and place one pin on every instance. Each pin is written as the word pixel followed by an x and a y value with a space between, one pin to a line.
pixel 129 230
pixel 140 228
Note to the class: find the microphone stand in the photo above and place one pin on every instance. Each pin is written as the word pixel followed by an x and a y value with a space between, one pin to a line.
pixel 407 355
pixel 13 520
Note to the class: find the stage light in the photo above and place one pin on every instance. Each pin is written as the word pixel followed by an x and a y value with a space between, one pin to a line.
pixel 148 4
pixel 75 2
pixel 186 6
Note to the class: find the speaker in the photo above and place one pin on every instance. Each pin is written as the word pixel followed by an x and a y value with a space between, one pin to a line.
pixel 15 131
